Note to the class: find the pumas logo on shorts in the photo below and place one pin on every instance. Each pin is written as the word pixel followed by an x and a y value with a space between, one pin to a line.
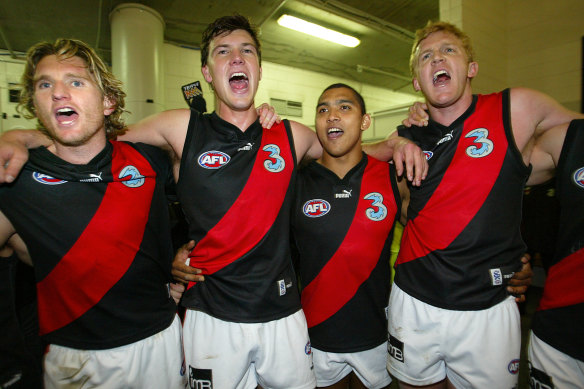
pixel 131 177
pixel 513 366
pixel 539 379
pixel 200 378
pixel 46 179
pixel 213 159
pixel 316 208
pixel 308 349
pixel 395 348
pixel 579 177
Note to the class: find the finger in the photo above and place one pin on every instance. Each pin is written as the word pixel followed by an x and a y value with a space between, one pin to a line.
pixel 399 163
pixel 11 164
pixel 520 298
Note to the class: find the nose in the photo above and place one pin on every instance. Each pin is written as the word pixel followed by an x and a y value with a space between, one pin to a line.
pixel 437 57
pixel 332 116
pixel 60 91
pixel 236 57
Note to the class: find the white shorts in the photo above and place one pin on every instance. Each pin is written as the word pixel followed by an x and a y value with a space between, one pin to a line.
pixel 221 354
pixel 474 349
pixel 153 362
pixel 551 368
pixel 370 366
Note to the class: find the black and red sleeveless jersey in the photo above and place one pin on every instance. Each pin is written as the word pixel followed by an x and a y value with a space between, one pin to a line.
pixel 99 238
pixel 235 188
pixel 342 231
pixel 559 318
pixel 462 240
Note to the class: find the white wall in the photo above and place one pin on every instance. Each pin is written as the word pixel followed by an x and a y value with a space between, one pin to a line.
pixel 10 73
pixel 278 81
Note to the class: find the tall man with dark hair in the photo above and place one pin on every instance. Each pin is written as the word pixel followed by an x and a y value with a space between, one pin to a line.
pixel 92 214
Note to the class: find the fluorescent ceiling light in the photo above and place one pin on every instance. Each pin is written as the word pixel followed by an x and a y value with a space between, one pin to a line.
pixel 317 31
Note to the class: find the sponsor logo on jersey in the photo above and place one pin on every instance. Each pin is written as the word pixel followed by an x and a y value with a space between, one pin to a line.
pixel 131 177
pixel 579 177
pixel 316 208
pixel 446 138
pixel 428 154
pixel 308 348
pixel 378 211
pixel 395 348
pixel 247 147
pixel 213 159
pixel 282 287
pixel 200 378
pixel 345 194
pixel 482 146
pixel 93 178
pixel 513 366
pixel 274 163
pixel 46 179
pixel 496 277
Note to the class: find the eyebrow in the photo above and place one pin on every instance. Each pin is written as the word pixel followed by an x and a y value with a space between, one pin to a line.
pixel 340 101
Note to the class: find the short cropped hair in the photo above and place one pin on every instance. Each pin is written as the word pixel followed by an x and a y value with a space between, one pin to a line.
pixel 110 86
pixel 223 26
pixel 432 27
pixel 357 94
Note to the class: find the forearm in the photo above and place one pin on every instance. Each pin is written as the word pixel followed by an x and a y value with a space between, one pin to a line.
pixel 27 138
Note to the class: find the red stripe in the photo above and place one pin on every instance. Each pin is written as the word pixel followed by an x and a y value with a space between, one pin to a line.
pixel 357 256
pixel 252 214
pixel 563 285
pixel 105 250
pixel 463 189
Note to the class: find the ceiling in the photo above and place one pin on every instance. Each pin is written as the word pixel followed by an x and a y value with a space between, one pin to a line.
pixel 385 28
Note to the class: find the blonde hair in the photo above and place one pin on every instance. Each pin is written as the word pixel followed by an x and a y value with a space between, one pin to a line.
pixel 109 85
pixel 432 27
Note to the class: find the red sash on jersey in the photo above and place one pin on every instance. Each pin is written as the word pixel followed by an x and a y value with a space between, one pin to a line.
pixel 104 251
pixel 357 256
pixel 463 189
pixel 253 213
pixel 562 284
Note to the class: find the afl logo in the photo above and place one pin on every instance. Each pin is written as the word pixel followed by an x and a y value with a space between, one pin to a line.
pixel 579 177
pixel 316 208
pixel 513 366
pixel 46 179
pixel 131 177
pixel 428 154
pixel 213 159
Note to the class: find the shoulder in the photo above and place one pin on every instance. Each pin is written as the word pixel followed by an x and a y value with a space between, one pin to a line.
pixel 305 141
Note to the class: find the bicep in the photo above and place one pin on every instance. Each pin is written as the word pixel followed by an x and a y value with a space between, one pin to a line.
pixel 166 130
pixel 306 142
pixel 546 153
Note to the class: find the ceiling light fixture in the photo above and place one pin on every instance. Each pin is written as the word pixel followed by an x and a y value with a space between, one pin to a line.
pixel 317 31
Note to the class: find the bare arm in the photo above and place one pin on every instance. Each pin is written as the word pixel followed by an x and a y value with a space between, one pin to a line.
pixel 546 153
pixel 533 113
pixel 14 147
pixel 305 142
pixel 9 238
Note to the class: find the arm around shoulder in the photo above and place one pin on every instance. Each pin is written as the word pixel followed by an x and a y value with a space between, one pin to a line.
pixel 14 145
pixel 546 153
pixel 306 142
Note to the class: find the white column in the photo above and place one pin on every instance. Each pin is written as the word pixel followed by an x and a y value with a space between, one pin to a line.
pixel 137 35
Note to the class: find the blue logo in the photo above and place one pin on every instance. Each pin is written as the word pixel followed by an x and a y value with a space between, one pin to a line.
pixel 316 208
pixel 46 179
pixel 428 154
pixel 485 145
pixel 275 163
pixel 579 177
pixel 131 177
pixel 308 349
pixel 213 159
pixel 378 211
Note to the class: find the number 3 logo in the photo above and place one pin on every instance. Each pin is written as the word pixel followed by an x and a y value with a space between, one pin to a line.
pixel 376 201
pixel 278 163
pixel 485 145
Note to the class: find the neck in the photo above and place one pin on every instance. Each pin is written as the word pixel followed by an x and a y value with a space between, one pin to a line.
pixel 446 115
pixel 78 155
pixel 241 118
pixel 343 164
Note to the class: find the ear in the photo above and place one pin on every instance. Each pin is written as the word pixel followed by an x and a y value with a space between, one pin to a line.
pixel 207 74
pixel 365 122
pixel 109 106
pixel 473 69
pixel 416 84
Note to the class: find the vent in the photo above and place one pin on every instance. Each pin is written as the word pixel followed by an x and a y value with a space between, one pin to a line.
pixel 287 107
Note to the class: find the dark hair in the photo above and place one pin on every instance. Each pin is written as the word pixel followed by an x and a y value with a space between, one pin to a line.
pixel 357 94
pixel 223 26
pixel 109 85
